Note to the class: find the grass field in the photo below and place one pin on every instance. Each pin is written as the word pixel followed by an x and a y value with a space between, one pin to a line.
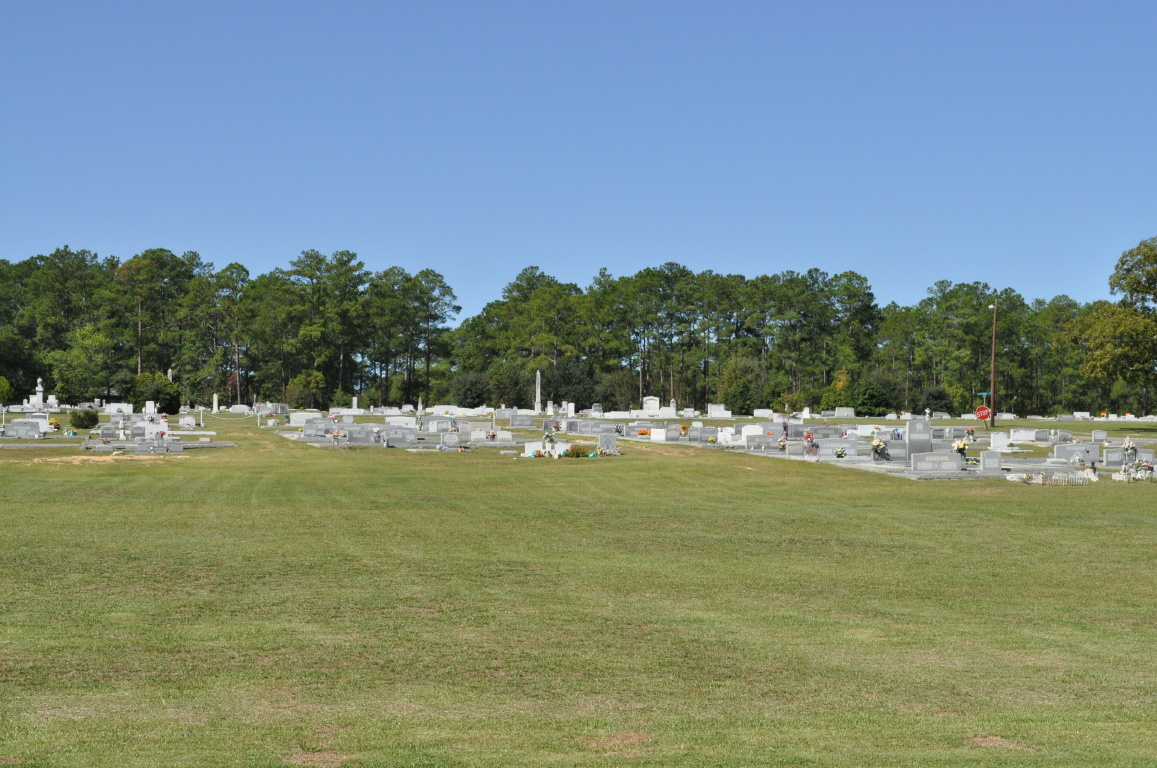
pixel 280 604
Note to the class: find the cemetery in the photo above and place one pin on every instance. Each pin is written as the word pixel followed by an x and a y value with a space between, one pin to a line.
pixel 683 554
pixel 901 445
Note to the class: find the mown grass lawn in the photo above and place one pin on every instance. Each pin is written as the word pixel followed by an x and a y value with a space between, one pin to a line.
pixel 277 603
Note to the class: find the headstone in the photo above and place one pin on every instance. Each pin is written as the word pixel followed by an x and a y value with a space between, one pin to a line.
pixel 23 429
pixel 829 446
pixel 941 415
pixel 919 437
pixel 1114 457
pixel 451 439
pixel 608 443
pixel 1087 452
pixel 1100 435
pixel 762 443
pixel 989 462
pixel 521 420
pixel 651 406
pixel 936 462
pixel 751 430
pixel 717 411
pixel 658 435
pixel 402 421
pixel 845 413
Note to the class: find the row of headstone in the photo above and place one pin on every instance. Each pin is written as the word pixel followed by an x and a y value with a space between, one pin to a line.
pixel 1115 457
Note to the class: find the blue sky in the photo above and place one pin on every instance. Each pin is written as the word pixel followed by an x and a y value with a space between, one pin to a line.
pixel 911 142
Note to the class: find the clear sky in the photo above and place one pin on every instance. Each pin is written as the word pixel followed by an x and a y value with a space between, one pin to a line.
pixel 1009 142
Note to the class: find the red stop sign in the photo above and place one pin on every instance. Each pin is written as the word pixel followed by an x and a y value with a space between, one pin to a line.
pixel 983 412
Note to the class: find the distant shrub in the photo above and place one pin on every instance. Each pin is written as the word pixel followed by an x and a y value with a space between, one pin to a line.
pixel 84 419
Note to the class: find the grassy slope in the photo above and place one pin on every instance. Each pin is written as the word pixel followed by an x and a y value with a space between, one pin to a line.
pixel 671 607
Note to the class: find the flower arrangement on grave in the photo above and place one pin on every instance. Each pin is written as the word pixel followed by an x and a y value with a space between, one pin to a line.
pixel 682 430
pixel 1105 443
pixel 711 440
pixel 1130 449
pixel 54 424
pixel 618 429
pixel 783 442
pixel 644 431
pixel 960 446
pixel 548 438
pixel 970 433
pixel 841 452
pixel 879 447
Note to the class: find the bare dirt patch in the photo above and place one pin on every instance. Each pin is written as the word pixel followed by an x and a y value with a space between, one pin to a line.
pixel 11 761
pixel 324 759
pixel 622 743
pixel 997 741
pixel 87 458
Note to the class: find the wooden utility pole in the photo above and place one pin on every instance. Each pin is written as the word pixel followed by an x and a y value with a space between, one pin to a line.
pixel 992 370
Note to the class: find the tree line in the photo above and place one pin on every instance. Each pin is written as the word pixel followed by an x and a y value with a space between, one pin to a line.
pixel 325 329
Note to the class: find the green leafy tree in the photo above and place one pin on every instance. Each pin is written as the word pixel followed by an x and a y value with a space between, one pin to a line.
pixel 1135 276
pixel 1120 344
pixel 157 388
pixel 6 392
pixel 82 370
